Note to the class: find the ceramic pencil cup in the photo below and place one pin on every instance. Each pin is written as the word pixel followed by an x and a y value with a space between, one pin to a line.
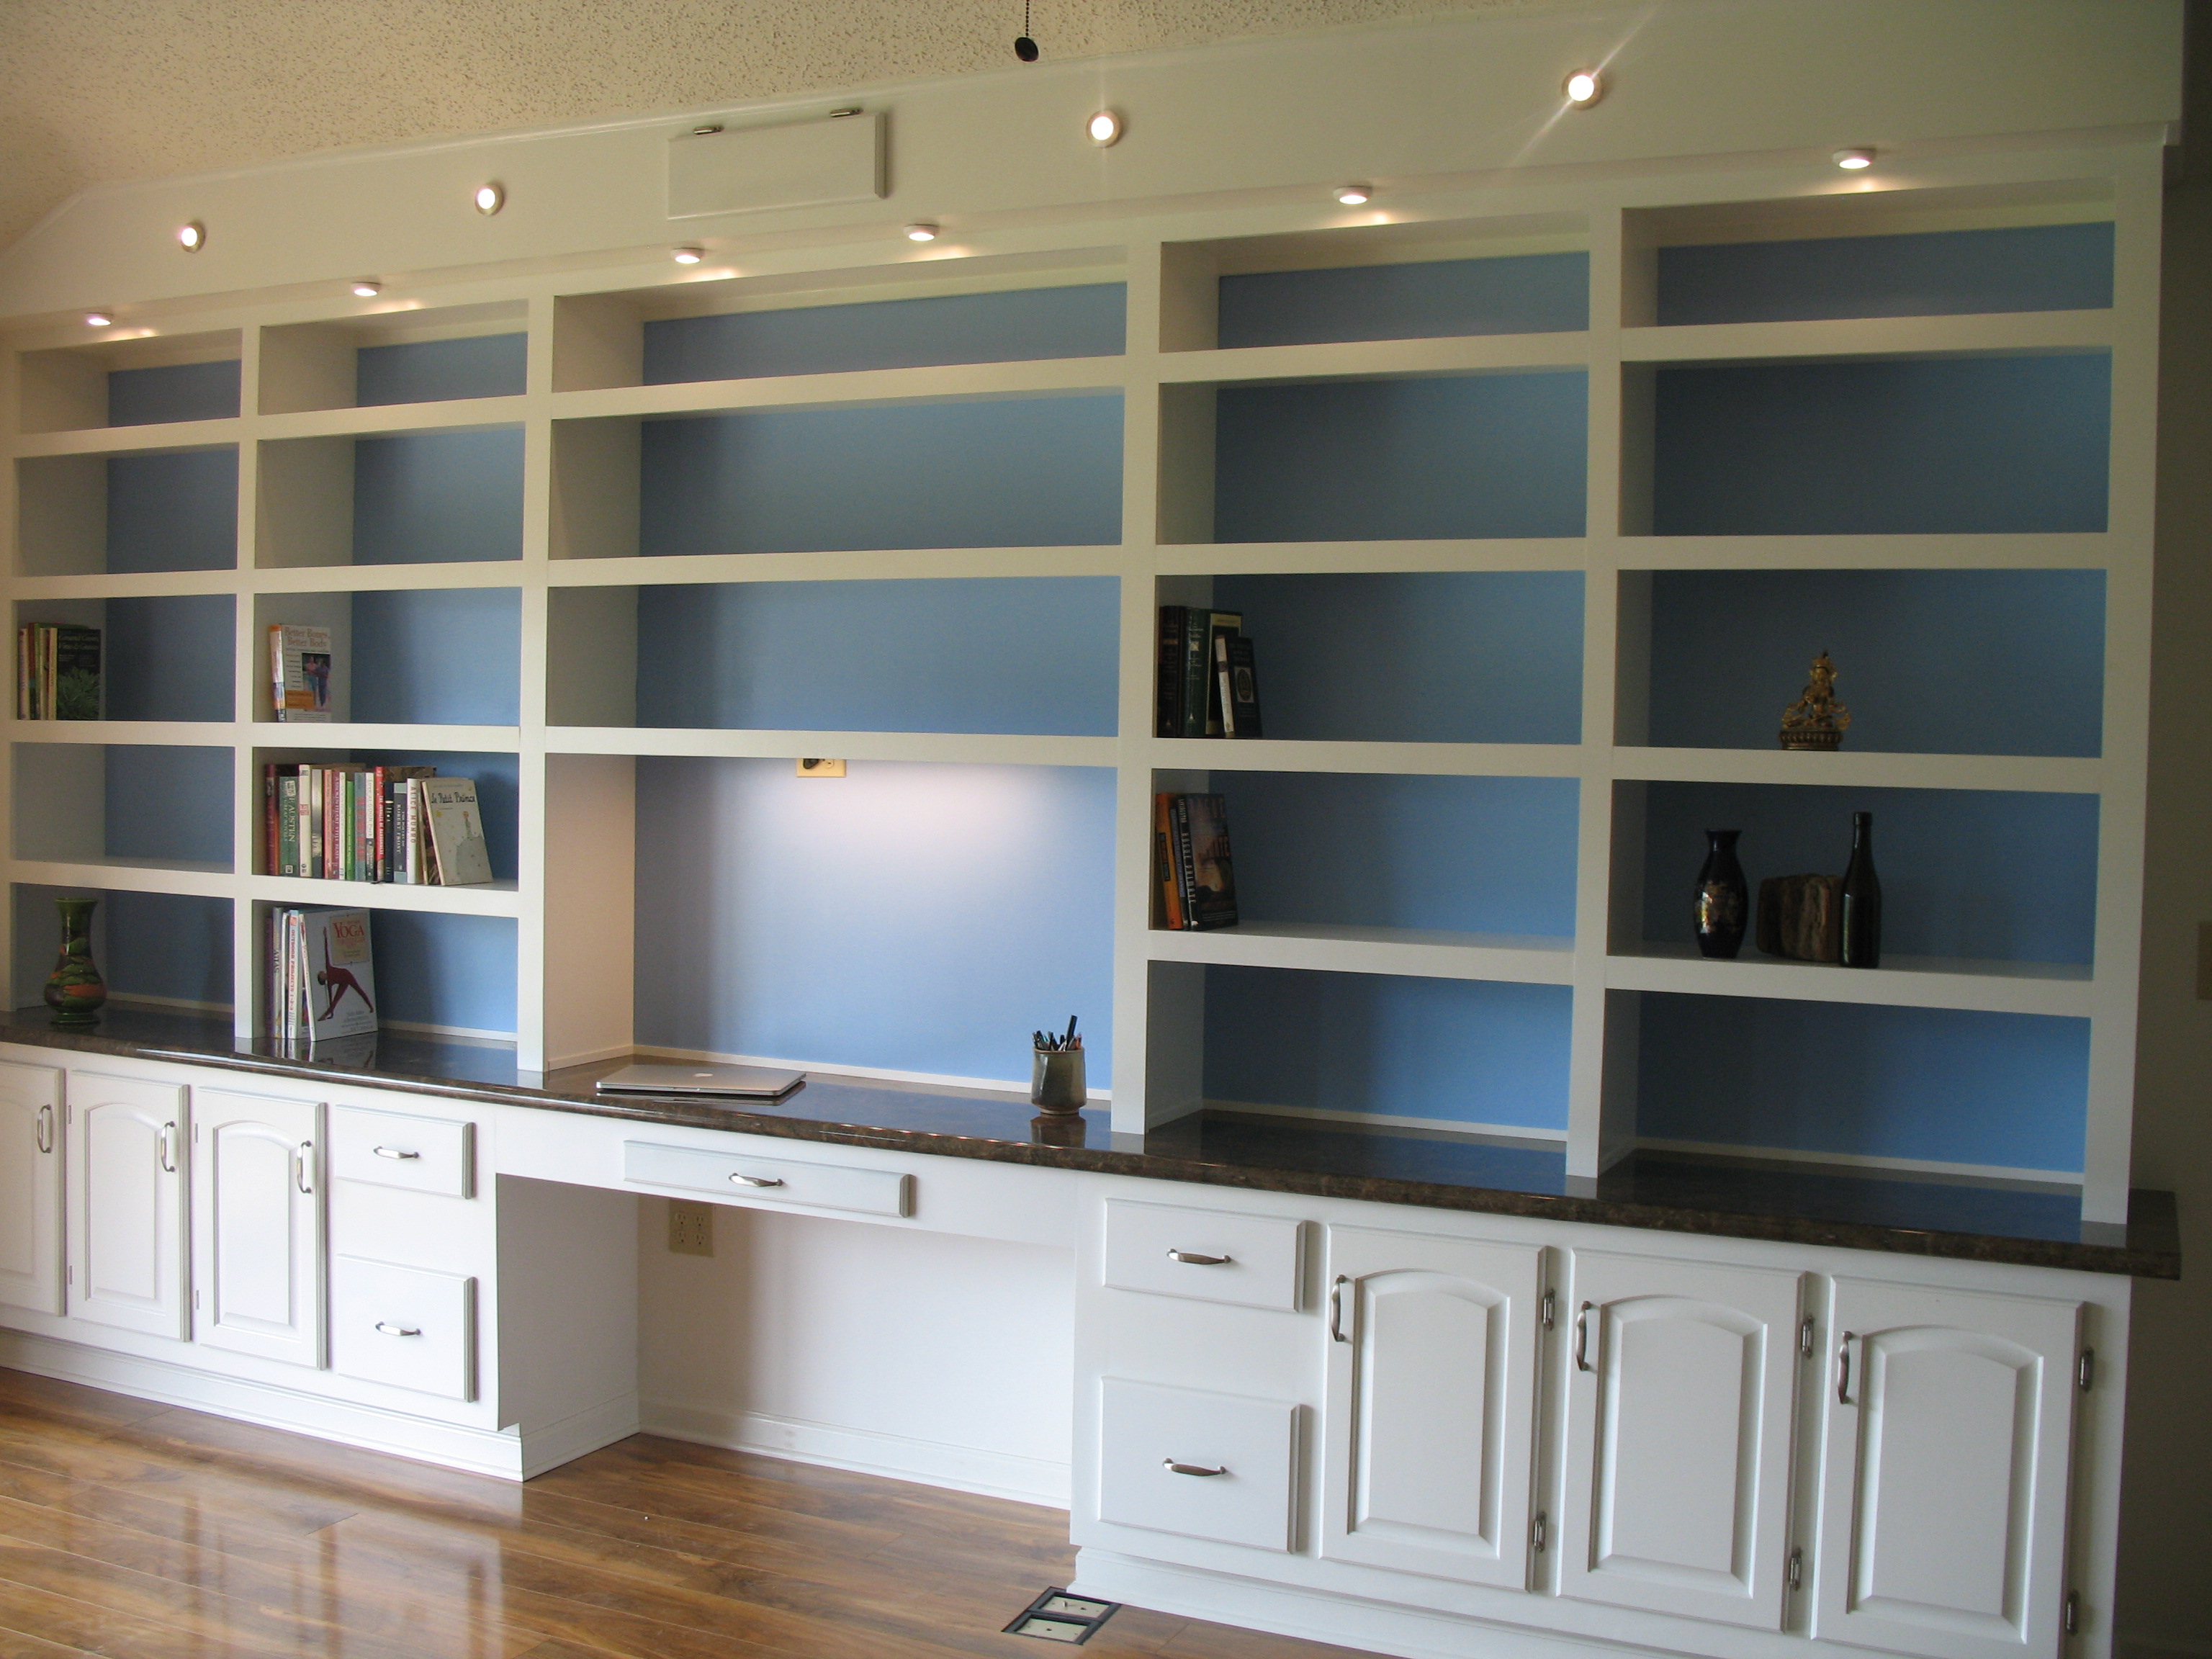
pixel 1056 1079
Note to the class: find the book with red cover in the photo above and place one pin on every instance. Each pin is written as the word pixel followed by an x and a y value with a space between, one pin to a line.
pixel 1163 860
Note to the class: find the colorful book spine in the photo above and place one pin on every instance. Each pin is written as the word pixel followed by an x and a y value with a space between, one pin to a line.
pixel 1164 861
pixel 287 824
pixel 1168 716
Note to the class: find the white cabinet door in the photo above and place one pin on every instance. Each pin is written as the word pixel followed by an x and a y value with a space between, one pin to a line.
pixel 31 1187
pixel 127 1244
pixel 258 1225
pixel 1430 1422
pixel 1944 1472
pixel 1680 1399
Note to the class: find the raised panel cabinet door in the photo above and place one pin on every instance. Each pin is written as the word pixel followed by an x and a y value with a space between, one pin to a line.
pixel 31 1163
pixel 1945 1471
pixel 1428 1425
pixel 1680 1394
pixel 128 1250
pixel 258 1225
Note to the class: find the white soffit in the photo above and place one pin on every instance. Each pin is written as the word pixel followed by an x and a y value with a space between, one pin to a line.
pixel 796 164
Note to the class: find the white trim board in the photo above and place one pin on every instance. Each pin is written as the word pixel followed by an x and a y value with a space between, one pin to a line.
pixel 1864 1161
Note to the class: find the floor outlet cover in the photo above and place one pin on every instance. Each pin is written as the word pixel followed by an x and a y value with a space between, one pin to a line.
pixel 1057 1616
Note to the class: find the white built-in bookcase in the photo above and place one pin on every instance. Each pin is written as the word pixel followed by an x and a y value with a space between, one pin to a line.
pixel 572 899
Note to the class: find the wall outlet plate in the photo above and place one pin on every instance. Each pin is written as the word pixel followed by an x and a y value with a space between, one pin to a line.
pixel 690 1227
pixel 821 768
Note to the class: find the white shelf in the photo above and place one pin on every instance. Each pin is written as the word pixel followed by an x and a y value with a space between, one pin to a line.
pixel 2005 988
pixel 854 388
pixel 128 875
pixel 127 585
pixel 1521 959
pixel 986 748
pixel 497 898
pixel 883 564
pixel 1361 558
pixel 1459 760
pixel 1979 335
pixel 441 574
pixel 129 439
pixel 393 420
pixel 1357 359
pixel 2034 774
pixel 2056 550
pixel 287 734
pixel 217 734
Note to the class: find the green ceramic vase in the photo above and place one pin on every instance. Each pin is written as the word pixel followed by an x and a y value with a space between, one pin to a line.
pixel 75 990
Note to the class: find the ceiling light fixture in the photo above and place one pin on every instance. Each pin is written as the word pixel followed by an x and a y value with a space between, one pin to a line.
pixel 367 288
pixel 491 198
pixel 1584 88
pixel 1854 161
pixel 922 231
pixel 192 237
pixel 1355 195
pixel 689 254
pixel 1104 128
pixel 100 319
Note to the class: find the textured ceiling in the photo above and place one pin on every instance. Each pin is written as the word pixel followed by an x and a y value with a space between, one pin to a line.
pixel 99 91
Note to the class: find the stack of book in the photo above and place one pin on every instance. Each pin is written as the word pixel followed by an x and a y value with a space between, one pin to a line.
pixel 322 978
pixel 394 823
pixel 1190 853
pixel 57 672
pixel 1208 687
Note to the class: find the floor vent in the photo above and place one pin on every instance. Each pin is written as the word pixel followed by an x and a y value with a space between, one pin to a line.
pixel 1057 1616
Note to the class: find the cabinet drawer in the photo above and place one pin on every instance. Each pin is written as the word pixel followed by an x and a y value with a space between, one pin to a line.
pixel 817 1186
pixel 397 1149
pixel 406 1327
pixel 1254 1260
pixel 1156 1445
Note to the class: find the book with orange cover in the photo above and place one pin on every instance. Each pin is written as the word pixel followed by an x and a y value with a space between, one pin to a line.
pixel 1163 860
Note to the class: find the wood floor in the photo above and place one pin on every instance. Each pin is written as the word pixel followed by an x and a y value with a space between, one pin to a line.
pixel 141 1531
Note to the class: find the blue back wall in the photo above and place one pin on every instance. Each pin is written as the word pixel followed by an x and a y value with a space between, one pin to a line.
pixel 2009 1089
pixel 1470 1051
pixel 168 803
pixel 1026 655
pixel 1951 662
pixel 910 917
pixel 444 970
pixel 1423 656
pixel 173 512
pixel 177 392
pixel 1979 874
pixel 444 657
pixel 433 497
pixel 168 658
pixel 173 945
pixel 1013 472
pixel 1017 326
pixel 1446 456
pixel 1522 294
pixel 436 371
pixel 1933 445
pixel 1472 855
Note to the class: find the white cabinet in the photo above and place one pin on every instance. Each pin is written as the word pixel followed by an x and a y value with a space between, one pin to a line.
pixel 1680 1401
pixel 258 1225
pixel 1430 1422
pixel 1206 1256
pixel 406 1327
pixel 1949 1427
pixel 31 1165
pixel 128 1248
pixel 1204 1465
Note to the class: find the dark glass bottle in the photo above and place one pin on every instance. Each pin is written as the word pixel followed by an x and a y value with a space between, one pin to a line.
pixel 1723 898
pixel 1862 927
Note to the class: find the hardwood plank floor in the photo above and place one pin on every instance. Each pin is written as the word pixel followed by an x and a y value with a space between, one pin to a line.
pixel 139 1531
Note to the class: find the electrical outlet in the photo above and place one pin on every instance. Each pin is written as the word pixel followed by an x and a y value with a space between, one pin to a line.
pixel 690 1227
pixel 810 768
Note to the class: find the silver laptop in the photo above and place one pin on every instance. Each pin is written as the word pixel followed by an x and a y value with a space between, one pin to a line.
pixel 735 1082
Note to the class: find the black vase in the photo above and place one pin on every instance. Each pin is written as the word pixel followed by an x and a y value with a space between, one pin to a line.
pixel 1724 900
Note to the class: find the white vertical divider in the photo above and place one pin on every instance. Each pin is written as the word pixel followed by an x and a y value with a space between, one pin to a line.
pixel 11 561
pixel 533 965
pixel 247 948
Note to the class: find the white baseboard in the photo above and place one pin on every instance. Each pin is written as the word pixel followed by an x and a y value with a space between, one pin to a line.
pixel 930 1463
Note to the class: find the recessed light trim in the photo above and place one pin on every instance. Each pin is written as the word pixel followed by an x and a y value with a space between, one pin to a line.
pixel 99 317
pixel 367 288
pixel 1855 159
pixel 921 231
pixel 690 254
pixel 1355 195
pixel 1584 88
pixel 490 197
pixel 191 236
pixel 1104 128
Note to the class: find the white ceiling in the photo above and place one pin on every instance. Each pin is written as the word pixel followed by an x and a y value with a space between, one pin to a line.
pixel 99 91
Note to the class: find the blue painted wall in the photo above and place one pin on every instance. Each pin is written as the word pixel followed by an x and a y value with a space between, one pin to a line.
pixel 168 803
pixel 168 658
pixel 1475 855
pixel 1964 872
pixel 1953 662
pixel 1377 460
pixel 2016 444
pixel 1524 293
pixel 173 512
pixel 148 945
pixel 1485 656
pixel 1086 321
pixel 433 497
pixel 436 371
pixel 913 917
pixel 2009 1089
pixel 498 793
pixel 444 970
pixel 443 658
pixel 1472 1051
pixel 1026 655
pixel 1926 274
pixel 1017 472
pixel 180 391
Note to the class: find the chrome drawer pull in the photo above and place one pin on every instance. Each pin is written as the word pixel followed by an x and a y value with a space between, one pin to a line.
pixel 757 1181
pixel 1194 1259
pixel 396 1330
pixel 1189 1469
pixel 1843 1370
pixel 1582 1336
pixel 393 1151
pixel 46 1128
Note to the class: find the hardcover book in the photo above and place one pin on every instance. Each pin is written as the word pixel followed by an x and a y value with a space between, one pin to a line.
pixel 300 661
pixel 1164 861
pixel 1204 874
pixel 456 829
pixel 1239 686
pixel 324 976
pixel 1223 624
pixel 1168 719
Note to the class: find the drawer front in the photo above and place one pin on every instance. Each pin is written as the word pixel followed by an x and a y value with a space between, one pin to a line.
pixel 1156 1445
pixel 403 1326
pixel 396 1149
pixel 817 1186
pixel 1208 1255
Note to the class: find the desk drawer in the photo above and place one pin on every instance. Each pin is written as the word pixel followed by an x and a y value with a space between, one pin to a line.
pixel 397 1149
pixel 1207 1255
pixel 773 1179
pixel 1201 1465
pixel 406 1327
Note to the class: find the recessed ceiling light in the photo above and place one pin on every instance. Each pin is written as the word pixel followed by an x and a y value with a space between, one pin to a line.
pixel 1355 195
pixel 922 231
pixel 368 288
pixel 1584 88
pixel 1104 128
pixel 1854 161
pixel 688 254
pixel 192 237
pixel 100 319
pixel 491 198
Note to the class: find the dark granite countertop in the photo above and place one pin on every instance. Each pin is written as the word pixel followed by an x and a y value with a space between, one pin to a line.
pixel 1739 1198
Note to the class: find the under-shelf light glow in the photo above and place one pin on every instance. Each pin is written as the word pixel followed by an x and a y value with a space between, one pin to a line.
pixel 1104 128
pixel 922 231
pixel 100 319
pixel 688 254
pixel 367 288
pixel 192 237
pixel 491 198
pixel 1584 88
pixel 1854 161
pixel 1355 195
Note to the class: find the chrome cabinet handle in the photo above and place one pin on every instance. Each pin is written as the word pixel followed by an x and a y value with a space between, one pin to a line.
pixel 1843 1370
pixel 1174 1467
pixel 1194 1259
pixel 1336 1310
pixel 393 1151
pixel 385 1328
pixel 1582 1336
pixel 168 1149
pixel 307 1151
pixel 756 1181
pixel 46 1128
